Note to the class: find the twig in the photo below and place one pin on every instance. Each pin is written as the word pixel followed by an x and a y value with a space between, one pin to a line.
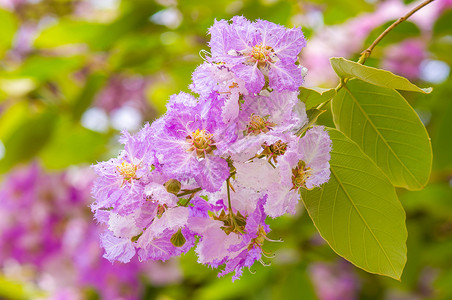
pixel 187 192
pixel 366 53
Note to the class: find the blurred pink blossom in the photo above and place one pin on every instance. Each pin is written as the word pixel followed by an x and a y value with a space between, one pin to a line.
pixel 334 281
pixel 405 58
pixel 46 220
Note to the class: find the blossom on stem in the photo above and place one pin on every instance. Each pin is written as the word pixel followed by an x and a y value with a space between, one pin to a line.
pixel 258 50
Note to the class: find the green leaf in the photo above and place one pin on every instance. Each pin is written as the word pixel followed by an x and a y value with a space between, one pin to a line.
pixel 28 139
pixel 357 212
pixel 93 84
pixel 442 141
pixel 8 27
pixel 314 96
pixel 69 32
pixel 401 32
pixel 350 69
pixel 44 68
pixel 132 20
pixel 443 26
pixel 388 130
pixel 335 13
pixel 72 144
pixel 434 199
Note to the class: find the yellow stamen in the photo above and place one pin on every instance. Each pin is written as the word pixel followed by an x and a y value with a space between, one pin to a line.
pixel 202 142
pixel 261 54
pixel 300 174
pixel 257 125
pixel 127 170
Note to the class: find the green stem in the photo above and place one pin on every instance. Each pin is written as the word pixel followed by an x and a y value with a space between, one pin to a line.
pixel 229 202
pixel 231 213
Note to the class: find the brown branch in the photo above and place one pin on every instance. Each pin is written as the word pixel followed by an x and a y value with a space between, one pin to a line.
pixel 188 192
pixel 366 53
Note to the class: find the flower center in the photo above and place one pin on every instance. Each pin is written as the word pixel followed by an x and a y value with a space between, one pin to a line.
pixel 257 124
pixel 202 142
pixel 278 148
pixel 274 150
pixel 300 174
pixel 261 54
pixel 127 170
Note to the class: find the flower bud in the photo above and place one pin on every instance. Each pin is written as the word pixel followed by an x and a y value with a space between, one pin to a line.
pixel 172 186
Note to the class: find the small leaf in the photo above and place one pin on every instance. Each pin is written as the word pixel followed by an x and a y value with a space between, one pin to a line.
pixel 357 212
pixel 349 69
pixel 387 129
pixel 315 96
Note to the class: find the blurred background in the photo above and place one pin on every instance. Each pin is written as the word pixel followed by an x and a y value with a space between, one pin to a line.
pixel 73 74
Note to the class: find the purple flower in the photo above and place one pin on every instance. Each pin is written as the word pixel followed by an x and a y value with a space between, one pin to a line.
pixel 121 181
pixel 314 149
pixel 258 50
pixel 245 253
pixel 234 249
pixel 305 164
pixel 235 145
pixel 120 249
pixel 155 243
pixel 267 120
pixel 215 78
pixel 190 140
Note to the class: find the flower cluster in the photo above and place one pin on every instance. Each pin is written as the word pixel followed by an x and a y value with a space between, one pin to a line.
pixel 52 242
pixel 214 167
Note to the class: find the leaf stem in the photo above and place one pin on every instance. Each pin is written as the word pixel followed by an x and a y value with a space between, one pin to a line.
pixel 229 198
pixel 366 53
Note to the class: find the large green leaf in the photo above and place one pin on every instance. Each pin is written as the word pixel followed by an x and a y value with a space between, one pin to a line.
pixel 69 32
pixel 314 96
pixel 83 100
pixel 442 141
pixel 350 69
pixel 443 26
pixel 388 130
pixel 8 27
pixel 43 68
pixel 357 212
pixel 72 144
pixel 28 139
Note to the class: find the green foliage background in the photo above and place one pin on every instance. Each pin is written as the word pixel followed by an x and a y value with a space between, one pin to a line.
pixel 42 101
